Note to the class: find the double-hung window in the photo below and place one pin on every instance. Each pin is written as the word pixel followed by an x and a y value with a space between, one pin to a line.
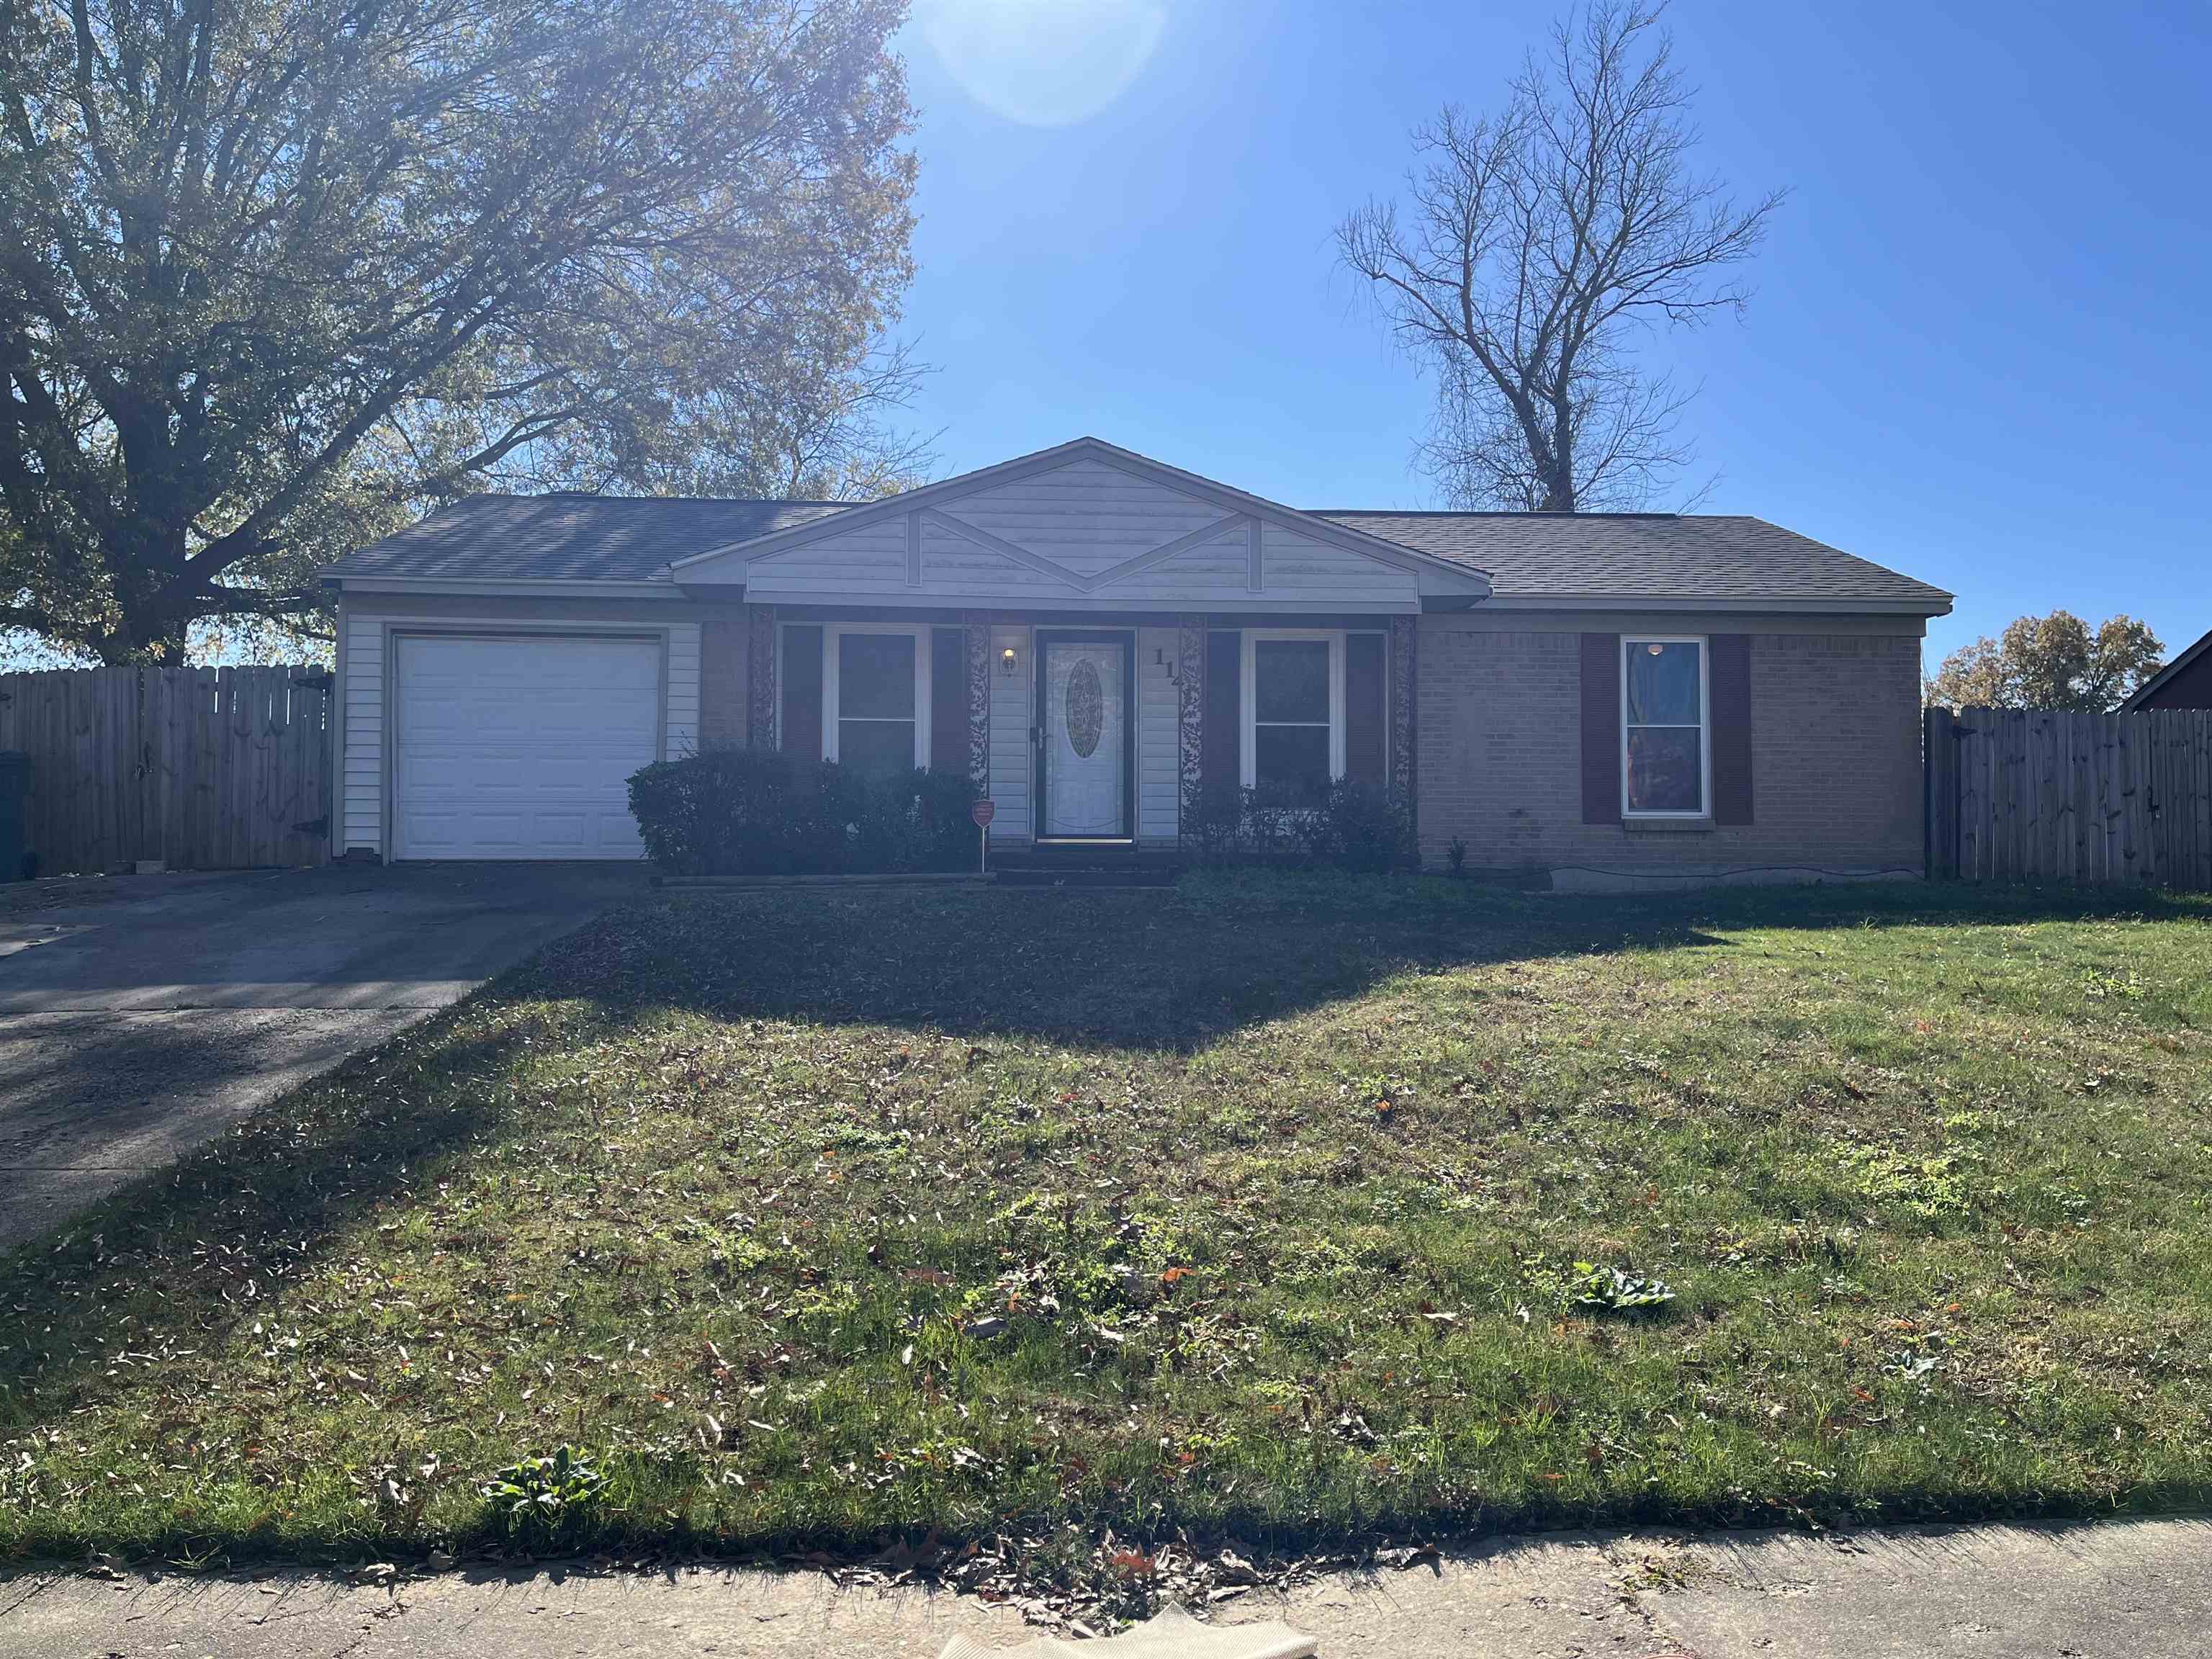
pixel 1665 726
pixel 1294 687
pixel 878 686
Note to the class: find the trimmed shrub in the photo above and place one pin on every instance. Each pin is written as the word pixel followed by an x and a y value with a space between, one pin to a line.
pixel 1352 826
pixel 763 812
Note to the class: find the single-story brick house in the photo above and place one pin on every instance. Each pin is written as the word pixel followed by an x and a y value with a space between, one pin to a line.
pixel 1100 639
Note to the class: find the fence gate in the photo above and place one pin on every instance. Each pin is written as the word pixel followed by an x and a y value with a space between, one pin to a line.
pixel 2054 795
pixel 204 769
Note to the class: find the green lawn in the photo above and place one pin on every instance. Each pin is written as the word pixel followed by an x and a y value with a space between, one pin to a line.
pixel 1250 1207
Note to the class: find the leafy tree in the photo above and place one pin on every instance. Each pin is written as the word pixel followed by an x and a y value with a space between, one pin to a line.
pixel 1542 240
pixel 2049 662
pixel 278 273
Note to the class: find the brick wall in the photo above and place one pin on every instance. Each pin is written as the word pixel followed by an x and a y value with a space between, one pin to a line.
pixel 1835 745
pixel 722 682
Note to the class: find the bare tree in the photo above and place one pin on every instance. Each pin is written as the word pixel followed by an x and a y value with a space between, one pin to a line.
pixel 1541 240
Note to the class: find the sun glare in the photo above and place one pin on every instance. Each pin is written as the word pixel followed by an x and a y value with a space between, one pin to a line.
pixel 1042 63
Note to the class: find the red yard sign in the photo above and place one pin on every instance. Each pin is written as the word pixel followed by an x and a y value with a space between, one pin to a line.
pixel 983 812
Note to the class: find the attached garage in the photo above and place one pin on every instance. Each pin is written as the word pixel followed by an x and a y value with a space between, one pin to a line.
pixel 521 746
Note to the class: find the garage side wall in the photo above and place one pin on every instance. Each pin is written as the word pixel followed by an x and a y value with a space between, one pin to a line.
pixel 367 623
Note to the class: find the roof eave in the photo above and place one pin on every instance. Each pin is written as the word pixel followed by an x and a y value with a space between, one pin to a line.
pixel 1767 603
pixel 523 587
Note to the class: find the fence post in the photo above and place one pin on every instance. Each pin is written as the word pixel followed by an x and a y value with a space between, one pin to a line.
pixel 1941 778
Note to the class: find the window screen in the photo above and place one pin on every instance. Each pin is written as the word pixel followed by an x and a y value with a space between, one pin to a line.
pixel 875 703
pixel 1290 716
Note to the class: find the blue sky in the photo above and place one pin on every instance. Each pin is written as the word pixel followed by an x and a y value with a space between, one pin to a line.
pixel 1980 349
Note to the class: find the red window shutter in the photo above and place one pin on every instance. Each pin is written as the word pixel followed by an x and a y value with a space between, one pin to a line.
pixel 948 700
pixel 1600 728
pixel 802 692
pixel 1366 709
pixel 1728 688
pixel 1222 751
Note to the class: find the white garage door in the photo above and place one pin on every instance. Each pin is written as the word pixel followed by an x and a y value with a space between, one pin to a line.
pixel 522 747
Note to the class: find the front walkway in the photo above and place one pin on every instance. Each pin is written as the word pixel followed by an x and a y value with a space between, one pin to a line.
pixel 142 1015
pixel 2106 1591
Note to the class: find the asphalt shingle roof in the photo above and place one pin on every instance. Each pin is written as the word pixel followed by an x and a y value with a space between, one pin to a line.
pixel 1570 558
pixel 619 538
pixel 1643 555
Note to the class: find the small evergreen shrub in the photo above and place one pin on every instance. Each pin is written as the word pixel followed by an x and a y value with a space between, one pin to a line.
pixel 763 812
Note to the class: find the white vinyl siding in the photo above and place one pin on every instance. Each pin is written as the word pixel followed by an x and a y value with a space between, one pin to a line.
pixel 363 773
pixel 869 560
pixel 681 716
pixel 1086 516
pixel 1058 538
pixel 1011 758
pixel 1159 735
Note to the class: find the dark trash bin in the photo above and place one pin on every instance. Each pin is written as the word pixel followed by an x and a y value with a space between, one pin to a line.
pixel 14 789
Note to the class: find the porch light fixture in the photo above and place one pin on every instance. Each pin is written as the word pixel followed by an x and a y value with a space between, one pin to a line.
pixel 1006 660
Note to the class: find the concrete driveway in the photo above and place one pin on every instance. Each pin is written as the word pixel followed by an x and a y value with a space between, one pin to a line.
pixel 141 1016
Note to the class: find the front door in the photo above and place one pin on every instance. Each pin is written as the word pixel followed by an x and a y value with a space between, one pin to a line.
pixel 1086 746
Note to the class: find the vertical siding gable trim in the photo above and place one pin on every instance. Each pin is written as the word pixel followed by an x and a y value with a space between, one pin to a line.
pixel 1042 565
pixel 1256 572
pixel 913 549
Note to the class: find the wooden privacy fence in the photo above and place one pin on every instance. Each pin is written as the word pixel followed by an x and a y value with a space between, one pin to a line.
pixel 204 769
pixel 2053 795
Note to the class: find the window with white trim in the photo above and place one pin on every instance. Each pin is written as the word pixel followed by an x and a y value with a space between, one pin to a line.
pixel 1666 752
pixel 1293 737
pixel 876 699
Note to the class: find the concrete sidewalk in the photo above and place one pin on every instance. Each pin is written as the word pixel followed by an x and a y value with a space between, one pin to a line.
pixel 2113 1590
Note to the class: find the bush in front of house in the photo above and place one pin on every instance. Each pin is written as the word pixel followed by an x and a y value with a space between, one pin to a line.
pixel 1350 826
pixel 763 812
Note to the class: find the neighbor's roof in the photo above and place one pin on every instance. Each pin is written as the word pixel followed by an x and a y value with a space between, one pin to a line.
pixel 1574 558
pixel 1586 556
pixel 568 538
pixel 2158 682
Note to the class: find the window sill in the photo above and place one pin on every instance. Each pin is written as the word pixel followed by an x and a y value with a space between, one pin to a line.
pixel 1641 826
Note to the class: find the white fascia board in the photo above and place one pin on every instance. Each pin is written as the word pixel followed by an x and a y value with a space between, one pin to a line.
pixel 1769 606
pixel 1001 606
pixel 555 589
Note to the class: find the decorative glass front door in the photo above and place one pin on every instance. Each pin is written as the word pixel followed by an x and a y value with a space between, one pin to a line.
pixel 1084 759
